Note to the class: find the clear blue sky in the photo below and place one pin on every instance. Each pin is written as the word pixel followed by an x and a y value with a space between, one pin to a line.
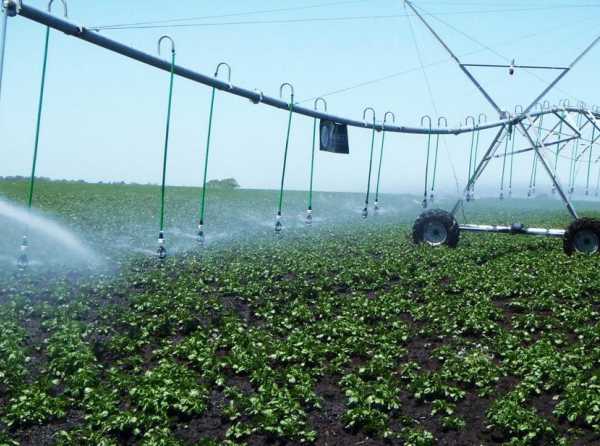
pixel 104 114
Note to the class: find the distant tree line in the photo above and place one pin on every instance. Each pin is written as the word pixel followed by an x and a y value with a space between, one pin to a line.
pixel 226 183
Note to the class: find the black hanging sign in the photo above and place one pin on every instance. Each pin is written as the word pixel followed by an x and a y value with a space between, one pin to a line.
pixel 334 137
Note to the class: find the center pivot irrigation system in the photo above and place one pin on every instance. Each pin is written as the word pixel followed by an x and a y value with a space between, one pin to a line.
pixel 540 125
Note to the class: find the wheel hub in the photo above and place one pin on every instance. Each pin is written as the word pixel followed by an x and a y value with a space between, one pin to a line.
pixel 587 242
pixel 435 233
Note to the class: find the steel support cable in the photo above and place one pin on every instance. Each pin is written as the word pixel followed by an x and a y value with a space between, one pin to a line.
pixel 278 223
pixel 433 64
pixel 162 252
pixel 431 98
pixel 169 25
pixel 476 41
pixel 220 16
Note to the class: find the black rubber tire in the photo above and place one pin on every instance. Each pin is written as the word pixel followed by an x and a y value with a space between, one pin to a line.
pixel 588 224
pixel 444 218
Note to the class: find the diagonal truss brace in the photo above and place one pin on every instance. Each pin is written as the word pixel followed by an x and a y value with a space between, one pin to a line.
pixel 463 67
pixel 549 170
pixel 496 142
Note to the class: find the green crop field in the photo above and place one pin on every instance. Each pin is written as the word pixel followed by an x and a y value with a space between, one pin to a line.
pixel 341 333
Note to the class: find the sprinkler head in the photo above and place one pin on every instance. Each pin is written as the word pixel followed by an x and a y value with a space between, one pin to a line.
pixel 431 198
pixel 278 224
pixel 162 251
pixel 365 212
pixel 511 69
pixel 587 193
pixel 309 217
pixel 376 207
pixel 501 195
pixel 424 203
pixel 200 236
pixel 509 193
pixel 23 260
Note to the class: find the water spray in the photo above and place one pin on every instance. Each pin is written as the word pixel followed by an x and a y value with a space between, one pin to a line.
pixel 381 156
pixel 309 211
pixel 23 259
pixel 365 211
pixel 278 225
pixel 162 250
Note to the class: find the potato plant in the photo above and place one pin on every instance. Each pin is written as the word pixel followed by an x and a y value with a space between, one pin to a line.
pixel 348 336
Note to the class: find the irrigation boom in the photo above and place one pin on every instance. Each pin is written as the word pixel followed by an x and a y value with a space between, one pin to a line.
pixel 435 227
pixel 83 33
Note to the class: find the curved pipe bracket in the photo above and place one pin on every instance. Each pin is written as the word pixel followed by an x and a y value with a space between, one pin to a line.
pixel 226 65
pixel 291 88
pixel 163 38
pixel 66 11
pixel 365 115
pixel 322 101
pixel 385 119
pixel 428 118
